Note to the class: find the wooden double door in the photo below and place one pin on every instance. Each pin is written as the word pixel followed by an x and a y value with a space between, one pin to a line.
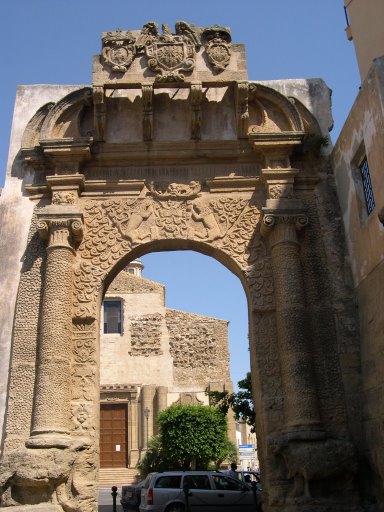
pixel 113 435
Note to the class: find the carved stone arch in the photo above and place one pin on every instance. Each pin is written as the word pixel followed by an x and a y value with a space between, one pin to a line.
pixel 32 131
pixel 287 117
pixel 224 227
pixel 65 118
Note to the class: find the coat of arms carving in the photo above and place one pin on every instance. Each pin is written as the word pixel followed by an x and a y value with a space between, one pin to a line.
pixel 217 46
pixel 119 50
pixel 170 55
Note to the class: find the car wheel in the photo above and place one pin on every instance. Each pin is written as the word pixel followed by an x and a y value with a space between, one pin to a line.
pixel 175 507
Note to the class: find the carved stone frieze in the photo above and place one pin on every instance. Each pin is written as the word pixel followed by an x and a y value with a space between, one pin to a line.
pixel 169 55
pixel 217 46
pixel 119 50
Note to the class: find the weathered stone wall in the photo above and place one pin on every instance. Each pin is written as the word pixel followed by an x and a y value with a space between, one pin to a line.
pixel 199 348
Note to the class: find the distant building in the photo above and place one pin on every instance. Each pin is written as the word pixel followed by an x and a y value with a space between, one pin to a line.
pixel 152 357
pixel 365 28
pixel 358 162
pixel 247 445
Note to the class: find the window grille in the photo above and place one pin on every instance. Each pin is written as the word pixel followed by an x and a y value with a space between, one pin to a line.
pixel 112 317
pixel 367 185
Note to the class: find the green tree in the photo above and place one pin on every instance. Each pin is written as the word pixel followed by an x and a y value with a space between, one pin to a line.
pixel 240 402
pixel 190 436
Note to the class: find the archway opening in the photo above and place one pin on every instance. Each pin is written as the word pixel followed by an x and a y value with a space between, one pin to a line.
pixel 174 324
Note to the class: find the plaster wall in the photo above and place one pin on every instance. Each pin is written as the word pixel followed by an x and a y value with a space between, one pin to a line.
pixel 364 132
pixel 366 29
pixel 15 217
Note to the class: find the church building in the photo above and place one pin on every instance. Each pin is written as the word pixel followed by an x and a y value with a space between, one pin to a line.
pixel 151 357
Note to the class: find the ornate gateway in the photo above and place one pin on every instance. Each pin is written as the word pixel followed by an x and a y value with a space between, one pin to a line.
pixel 134 164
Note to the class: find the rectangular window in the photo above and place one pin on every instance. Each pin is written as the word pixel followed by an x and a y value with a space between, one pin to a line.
pixel 367 185
pixel 112 316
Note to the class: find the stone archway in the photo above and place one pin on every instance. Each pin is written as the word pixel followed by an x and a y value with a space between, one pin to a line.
pixel 146 161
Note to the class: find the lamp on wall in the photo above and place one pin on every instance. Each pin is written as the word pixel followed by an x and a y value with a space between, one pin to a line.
pixel 147 412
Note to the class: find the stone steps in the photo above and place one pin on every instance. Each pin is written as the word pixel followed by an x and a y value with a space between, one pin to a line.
pixel 117 476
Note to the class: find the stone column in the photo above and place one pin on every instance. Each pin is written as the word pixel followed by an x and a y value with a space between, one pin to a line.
pixel 284 216
pixel 147 395
pixel 161 403
pixel 61 226
pixel 300 397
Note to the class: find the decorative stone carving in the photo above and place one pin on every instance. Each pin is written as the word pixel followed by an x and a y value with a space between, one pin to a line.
pixel 81 414
pixel 242 109
pixel 217 46
pixel 63 197
pixel 280 191
pixel 176 190
pixel 119 50
pixel 188 399
pixel 43 477
pixel 332 463
pixel 202 213
pixel 100 112
pixel 169 55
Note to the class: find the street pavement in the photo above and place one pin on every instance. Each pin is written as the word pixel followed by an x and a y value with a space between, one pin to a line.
pixel 105 500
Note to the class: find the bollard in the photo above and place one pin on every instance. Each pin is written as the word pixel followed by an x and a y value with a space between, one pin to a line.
pixel 114 495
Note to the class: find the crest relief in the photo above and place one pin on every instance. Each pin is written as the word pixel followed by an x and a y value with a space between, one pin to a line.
pixel 217 46
pixel 170 55
pixel 119 49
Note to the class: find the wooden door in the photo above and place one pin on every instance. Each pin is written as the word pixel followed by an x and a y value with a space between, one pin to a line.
pixel 113 435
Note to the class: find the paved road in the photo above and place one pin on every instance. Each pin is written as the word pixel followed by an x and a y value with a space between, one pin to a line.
pixel 105 500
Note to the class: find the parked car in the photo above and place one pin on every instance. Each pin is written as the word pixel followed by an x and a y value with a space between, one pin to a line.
pixel 131 496
pixel 205 491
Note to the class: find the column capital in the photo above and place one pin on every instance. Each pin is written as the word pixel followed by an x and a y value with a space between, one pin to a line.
pixel 61 226
pixel 286 223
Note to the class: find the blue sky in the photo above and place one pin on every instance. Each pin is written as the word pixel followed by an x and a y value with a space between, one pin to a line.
pixel 52 41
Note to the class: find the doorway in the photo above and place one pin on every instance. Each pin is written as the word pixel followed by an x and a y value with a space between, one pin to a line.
pixel 113 435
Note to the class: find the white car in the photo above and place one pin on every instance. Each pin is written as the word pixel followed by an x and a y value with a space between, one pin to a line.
pixel 200 491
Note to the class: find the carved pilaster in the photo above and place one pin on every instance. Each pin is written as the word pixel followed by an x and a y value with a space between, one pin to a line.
pixel 196 99
pixel 242 109
pixel 300 397
pixel 62 228
pixel 147 91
